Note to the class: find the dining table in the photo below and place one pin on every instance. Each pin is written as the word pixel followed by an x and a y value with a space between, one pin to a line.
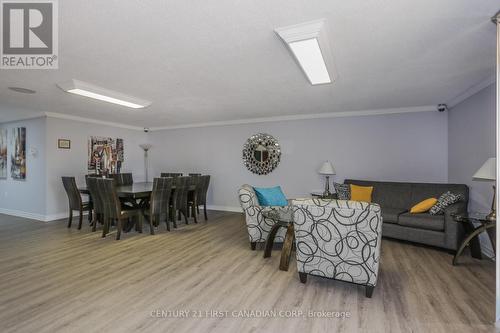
pixel 137 194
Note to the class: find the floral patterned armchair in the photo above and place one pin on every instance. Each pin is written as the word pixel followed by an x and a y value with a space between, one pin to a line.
pixel 339 240
pixel 258 226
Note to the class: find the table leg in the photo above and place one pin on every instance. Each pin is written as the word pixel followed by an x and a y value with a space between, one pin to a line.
pixel 286 251
pixel 270 240
pixel 475 246
pixel 470 237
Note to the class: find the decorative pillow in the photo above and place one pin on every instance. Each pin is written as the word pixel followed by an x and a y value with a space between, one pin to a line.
pixel 343 191
pixel 270 196
pixel 361 193
pixel 445 200
pixel 423 206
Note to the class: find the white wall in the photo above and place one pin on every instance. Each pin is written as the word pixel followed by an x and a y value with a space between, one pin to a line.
pixel 26 197
pixel 73 162
pixel 401 147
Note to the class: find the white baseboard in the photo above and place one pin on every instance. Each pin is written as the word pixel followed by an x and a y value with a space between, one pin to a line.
pixel 225 208
pixel 38 217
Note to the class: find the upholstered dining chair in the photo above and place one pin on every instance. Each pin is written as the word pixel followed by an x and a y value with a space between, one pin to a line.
pixel 159 202
pixel 339 240
pixel 257 225
pixel 113 209
pixel 123 179
pixel 171 174
pixel 201 194
pixel 97 204
pixel 74 200
pixel 179 200
pixel 193 182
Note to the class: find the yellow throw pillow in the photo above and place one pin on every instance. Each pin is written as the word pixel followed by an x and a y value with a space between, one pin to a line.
pixel 423 206
pixel 361 193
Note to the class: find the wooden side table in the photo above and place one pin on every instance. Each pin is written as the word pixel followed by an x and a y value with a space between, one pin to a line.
pixel 484 225
pixel 283 219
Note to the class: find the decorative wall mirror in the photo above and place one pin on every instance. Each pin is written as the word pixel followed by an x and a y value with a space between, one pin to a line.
pixel 261 153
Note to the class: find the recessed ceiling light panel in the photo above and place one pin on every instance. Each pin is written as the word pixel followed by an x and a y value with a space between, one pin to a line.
pixel 88 90
pixel 309 46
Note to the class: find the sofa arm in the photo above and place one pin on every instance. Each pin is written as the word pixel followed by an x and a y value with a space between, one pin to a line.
pixel 454 230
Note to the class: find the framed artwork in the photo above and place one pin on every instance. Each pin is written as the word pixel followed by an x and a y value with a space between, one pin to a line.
pixel 18 153
pixel 105 155
pixel 3 153
pixel 64 144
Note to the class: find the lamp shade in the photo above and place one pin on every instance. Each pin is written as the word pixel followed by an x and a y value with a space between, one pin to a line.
pixel 327 169
pixel 488 171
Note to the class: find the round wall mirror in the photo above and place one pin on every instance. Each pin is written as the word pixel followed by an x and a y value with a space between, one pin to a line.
pixel 261 153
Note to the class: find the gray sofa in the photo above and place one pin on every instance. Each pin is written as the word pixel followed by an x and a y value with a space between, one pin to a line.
pixel 396 199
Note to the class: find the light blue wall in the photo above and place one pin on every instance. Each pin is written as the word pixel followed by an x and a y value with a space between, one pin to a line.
pixel 27 196
pixel 472 140
pixel 399 147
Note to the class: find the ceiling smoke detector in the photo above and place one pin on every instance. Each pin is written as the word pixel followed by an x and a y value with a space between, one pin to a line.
pixel 22 90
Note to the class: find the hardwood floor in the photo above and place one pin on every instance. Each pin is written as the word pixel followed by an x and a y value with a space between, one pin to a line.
pixel 54 279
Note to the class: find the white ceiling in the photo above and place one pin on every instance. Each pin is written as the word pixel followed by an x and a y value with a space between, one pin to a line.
pixel 220 60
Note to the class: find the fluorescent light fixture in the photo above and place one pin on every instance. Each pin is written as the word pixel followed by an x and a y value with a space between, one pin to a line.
pixel 309 46
pixel 88 90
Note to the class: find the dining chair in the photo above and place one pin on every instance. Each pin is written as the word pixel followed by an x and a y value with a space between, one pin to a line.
pixel 201 194
pixel 193 182
pixel 75 200
pixel 123 179
pixel 171 174
pixel 179 201
pixel 159 202
pixel 113 209
pixel 97 204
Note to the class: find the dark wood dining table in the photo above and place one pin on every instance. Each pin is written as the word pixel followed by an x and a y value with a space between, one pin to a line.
pixel 138 193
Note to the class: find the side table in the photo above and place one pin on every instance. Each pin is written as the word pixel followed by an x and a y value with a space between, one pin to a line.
pixel 283 218
pixel 484 225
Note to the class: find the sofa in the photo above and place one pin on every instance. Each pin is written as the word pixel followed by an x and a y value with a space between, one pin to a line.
pixel 395 200
pixel 338 239
pixel 257 225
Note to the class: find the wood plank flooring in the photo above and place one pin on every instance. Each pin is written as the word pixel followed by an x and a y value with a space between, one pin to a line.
pixel 57 280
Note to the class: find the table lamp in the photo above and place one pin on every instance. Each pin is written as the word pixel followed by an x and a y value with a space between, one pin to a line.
pixel 327 170
pixel 488 172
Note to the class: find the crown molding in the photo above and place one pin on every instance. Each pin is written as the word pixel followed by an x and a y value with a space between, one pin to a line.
pixel 472 90
pixel 91 121
pixel 373 112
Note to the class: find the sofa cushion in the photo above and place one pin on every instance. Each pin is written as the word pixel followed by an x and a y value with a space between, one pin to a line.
pixel 422 221
pixel 420 192
pixel 387 194
pixel 390 215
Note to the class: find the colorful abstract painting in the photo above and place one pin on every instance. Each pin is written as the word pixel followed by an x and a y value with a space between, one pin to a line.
pixel 3 153
pixel 18 153
pixel 105 156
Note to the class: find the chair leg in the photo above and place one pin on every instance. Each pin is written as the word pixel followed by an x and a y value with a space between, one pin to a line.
pixel 70 219
pixel 198 209
pixel 303 277
pixel 253 245
pixel 80 221
pixel 118 229
pixel 205 211
pixel 193 212
pixel 369 291
pixel 105 227
pixel 151 227
pixel 184 212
